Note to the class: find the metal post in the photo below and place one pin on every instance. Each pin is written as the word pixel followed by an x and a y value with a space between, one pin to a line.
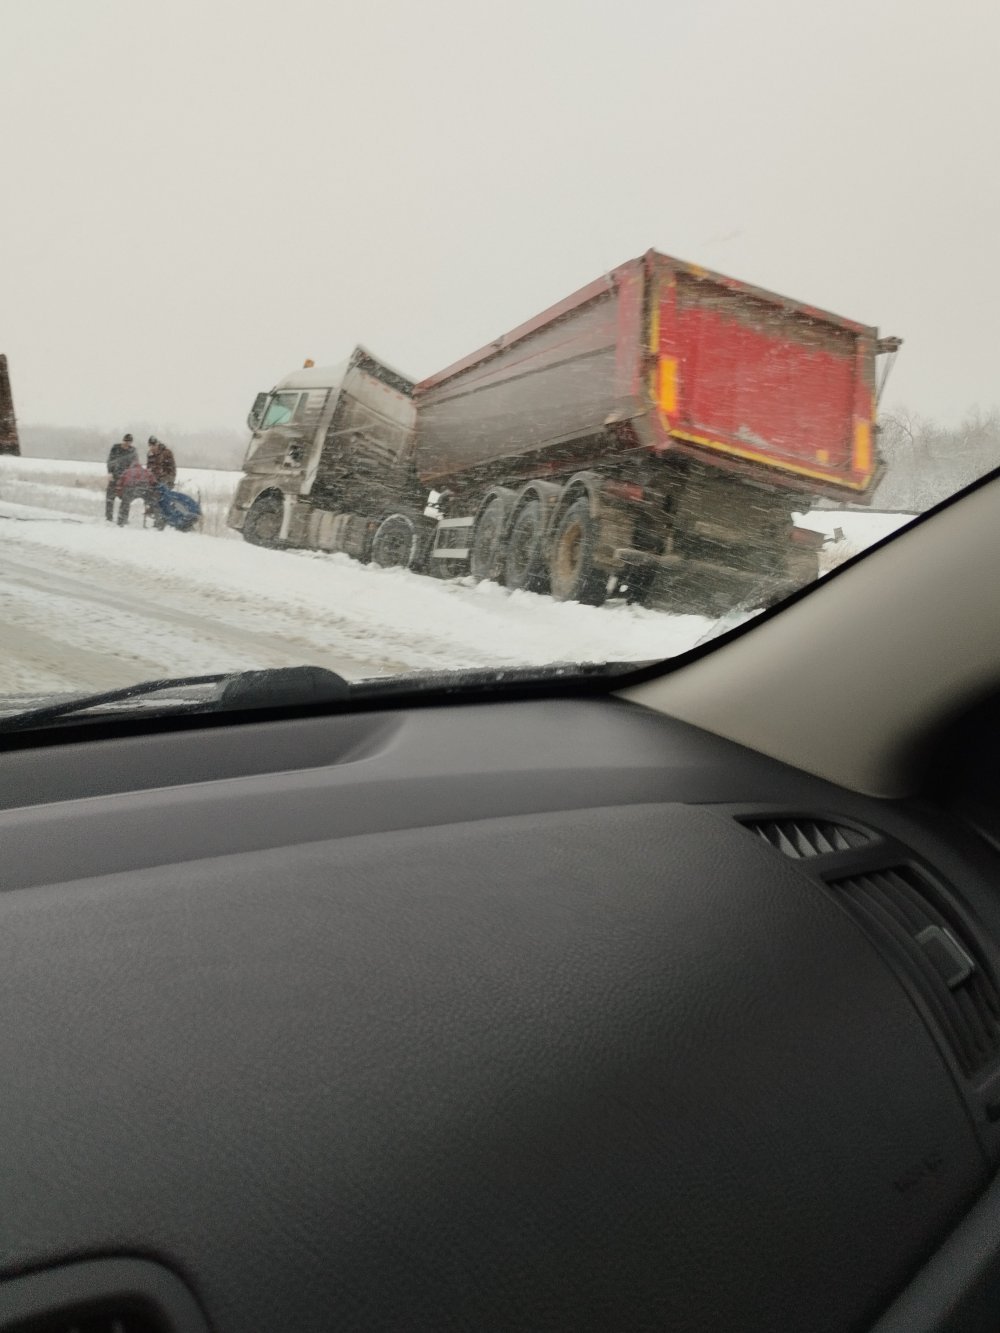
pixel 9 443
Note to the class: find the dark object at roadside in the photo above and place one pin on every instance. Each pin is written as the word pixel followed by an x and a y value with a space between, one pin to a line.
pixel 9 442
pixel 176 510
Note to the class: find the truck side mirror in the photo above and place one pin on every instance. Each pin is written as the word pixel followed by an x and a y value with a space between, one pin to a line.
pixel 257 411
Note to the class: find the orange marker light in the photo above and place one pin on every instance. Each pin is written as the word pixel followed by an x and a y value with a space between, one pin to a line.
pixel 862 447
pixel 667 388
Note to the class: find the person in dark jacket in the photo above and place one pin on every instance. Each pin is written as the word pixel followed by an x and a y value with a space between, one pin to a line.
pixel 121 457
pixel 160 461
pixel 136 483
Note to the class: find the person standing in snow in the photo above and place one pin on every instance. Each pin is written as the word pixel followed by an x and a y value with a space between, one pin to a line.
pixel 161 463
pixel 136 483
pixel 121 457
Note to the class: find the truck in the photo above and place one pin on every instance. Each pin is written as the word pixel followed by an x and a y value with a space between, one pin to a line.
pixel 653 435
pixel 9 442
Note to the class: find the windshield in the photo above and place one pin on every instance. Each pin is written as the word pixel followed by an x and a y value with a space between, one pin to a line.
pixel 654 315
pixel 280 409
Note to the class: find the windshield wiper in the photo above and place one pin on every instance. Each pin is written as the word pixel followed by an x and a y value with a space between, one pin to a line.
pixel 488 680
pixel 303 686
pixel 278 687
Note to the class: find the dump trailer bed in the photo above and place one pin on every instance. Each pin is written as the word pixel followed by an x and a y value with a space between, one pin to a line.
pixel 671 359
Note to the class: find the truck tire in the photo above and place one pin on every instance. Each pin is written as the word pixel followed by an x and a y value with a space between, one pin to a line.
pixel 397 543
pixel 262 525
pixel 487 542
pixel 573 576
pixel 522 561
pixel 358 538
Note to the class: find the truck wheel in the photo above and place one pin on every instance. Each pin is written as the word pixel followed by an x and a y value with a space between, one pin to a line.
pixel 572 574
pixel 521 563
pixel 262 526
pixel 358 537
pixel 396 544
pixel 484 559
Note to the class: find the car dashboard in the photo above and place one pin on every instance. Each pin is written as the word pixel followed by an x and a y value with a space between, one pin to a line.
pixel 531 1014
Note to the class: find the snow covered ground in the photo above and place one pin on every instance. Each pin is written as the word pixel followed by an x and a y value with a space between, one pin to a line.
pixel 86 605
pixel 77 489
pixel 857 531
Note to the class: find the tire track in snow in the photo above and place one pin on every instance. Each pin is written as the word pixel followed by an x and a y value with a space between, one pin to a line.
pixel 64 631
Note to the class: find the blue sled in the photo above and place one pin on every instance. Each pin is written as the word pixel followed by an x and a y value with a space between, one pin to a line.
pixel 180 511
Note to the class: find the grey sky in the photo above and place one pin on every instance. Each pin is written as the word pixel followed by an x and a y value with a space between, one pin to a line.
pixel 196 195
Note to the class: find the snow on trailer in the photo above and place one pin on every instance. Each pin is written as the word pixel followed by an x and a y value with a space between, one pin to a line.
pixel 654 433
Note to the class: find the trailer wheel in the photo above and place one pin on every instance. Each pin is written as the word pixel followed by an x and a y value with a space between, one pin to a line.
pixel 572 574
pixel 487 542
pixel 521 566
pixel 396 544
pixel 262 526
pixel 358 537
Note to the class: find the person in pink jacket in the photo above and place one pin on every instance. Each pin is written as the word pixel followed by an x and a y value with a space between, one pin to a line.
pixel 136 483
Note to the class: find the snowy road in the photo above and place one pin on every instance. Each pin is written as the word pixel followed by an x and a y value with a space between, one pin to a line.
pixel 67 629
pixel 87 605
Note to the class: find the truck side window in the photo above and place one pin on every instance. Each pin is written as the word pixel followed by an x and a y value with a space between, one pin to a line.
pixel 280 409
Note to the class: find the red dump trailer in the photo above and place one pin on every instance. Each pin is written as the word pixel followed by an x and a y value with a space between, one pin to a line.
pixel 653 434
pixel 664 418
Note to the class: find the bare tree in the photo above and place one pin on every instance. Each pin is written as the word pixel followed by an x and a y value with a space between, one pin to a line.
pixel 925 463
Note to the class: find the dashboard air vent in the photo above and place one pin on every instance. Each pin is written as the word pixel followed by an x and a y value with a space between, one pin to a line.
pixel 901 909
pixel 801 838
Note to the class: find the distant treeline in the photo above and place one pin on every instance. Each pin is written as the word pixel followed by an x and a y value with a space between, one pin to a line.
pixel 192 448
pixel 925 462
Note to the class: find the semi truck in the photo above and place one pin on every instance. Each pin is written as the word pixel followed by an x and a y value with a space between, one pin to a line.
pixel 652 435
pixel 9 442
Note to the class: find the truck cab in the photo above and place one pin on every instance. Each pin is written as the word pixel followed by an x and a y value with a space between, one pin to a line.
pixel 283 422
pixel 319 438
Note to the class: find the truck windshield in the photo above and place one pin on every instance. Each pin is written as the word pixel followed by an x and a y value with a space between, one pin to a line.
pixel 280 410
pixel 577 342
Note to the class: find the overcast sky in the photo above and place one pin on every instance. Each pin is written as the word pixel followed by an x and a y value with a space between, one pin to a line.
pixel 195 195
